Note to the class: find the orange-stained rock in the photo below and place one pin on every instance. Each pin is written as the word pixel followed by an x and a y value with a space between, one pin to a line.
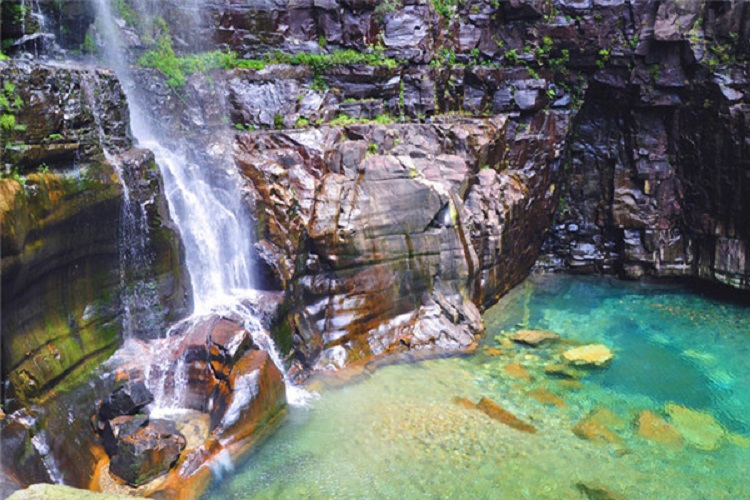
pixel 544 396
pixel 654 428
pixel 255 390
pixel 518 371
pixel 495 411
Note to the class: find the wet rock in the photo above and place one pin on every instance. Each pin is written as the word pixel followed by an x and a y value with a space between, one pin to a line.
pixel 518 371
pixel 589 355
pixel 534 337
pixel 118 428
pixel 129 399
pixel 253 395
pixel 148 452
pixel 654 428
pixel 496 412
pixel 698 429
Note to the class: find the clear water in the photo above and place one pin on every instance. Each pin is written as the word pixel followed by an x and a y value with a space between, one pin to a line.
pixel 396 433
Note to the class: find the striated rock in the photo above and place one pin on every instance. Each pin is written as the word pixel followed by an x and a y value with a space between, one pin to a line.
pixel 64 287
pixel 534 337
pixel 698 429
pixel 589 355
pixel 496 412
pixel 654 428
pixel 148 452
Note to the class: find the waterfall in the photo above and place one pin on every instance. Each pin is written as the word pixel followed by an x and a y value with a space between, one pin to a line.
pixel 205 204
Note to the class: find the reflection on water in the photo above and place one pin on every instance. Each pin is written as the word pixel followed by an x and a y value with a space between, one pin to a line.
pixel 669 417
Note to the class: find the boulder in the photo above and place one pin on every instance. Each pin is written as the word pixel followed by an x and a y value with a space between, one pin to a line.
pixel 129 399
pixel 148 452
pixel 518 371
pixel 119 428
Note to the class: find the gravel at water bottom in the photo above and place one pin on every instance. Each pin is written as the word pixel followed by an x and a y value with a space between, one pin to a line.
pixel 398 433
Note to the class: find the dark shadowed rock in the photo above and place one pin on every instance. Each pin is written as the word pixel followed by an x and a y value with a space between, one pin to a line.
pixel 148 452
pixel 129 399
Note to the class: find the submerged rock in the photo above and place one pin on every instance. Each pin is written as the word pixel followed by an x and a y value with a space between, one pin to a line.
pixel 534 338
pixel 497 412
pixel 545 396
pixel 464 402
pixel 598 427
pixel 148 452
pixel 654 428
pixel 589 355
pixel 698 429
pixel 518 371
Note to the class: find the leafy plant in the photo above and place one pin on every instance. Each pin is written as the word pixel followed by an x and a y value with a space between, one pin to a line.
pixel 7 121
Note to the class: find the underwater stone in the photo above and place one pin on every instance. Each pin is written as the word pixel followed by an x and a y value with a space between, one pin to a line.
pixel 589 355
pixel 496 412
pixel 654 428
pixel 699 429
pixel 534 337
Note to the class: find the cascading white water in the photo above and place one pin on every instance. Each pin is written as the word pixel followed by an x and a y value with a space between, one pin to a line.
pixel 205 203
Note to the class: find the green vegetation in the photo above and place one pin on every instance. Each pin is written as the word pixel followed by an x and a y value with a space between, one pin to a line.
pixel 388 7
pixel 176 68
pixel 126 12
pixel 446 8
pixel 302 122
pixel 89 45
pixel 604 55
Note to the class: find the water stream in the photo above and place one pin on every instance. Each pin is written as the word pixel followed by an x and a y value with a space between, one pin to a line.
pixel 205 204
pixel 398 433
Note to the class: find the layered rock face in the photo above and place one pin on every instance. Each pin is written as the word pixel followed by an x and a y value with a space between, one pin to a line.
pixel 80 262
pixel 387 236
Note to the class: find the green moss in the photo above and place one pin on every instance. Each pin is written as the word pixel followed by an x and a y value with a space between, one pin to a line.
pixel 7 121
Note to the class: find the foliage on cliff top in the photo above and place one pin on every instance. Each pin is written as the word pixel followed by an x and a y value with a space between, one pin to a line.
pixel 163 58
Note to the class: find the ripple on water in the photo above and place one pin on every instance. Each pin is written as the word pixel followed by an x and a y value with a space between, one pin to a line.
pixel 679 357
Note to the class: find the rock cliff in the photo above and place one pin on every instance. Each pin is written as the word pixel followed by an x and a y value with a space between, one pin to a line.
pixel 82 261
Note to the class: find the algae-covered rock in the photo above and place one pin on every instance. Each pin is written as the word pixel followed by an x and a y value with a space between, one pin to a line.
pixel 60 492
pixel 698 429
pixel 589 355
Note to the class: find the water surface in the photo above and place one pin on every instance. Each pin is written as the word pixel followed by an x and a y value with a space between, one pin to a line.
pixel 397 434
